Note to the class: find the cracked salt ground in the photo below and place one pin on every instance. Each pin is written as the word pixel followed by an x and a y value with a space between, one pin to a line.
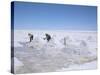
pixel 54 56
pixel 48 59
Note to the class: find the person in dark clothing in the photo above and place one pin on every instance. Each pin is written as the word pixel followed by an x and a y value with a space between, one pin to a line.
pixel 30 36
pixel 48 37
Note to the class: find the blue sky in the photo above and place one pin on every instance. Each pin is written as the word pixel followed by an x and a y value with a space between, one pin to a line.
pixel 41 16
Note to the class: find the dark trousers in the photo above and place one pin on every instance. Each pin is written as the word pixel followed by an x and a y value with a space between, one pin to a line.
pixel 31 38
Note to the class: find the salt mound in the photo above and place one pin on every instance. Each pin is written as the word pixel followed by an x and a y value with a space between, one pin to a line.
pixel 36 44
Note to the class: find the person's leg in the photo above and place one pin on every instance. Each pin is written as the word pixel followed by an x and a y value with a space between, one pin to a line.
pixel 48 39
pixel 30 39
